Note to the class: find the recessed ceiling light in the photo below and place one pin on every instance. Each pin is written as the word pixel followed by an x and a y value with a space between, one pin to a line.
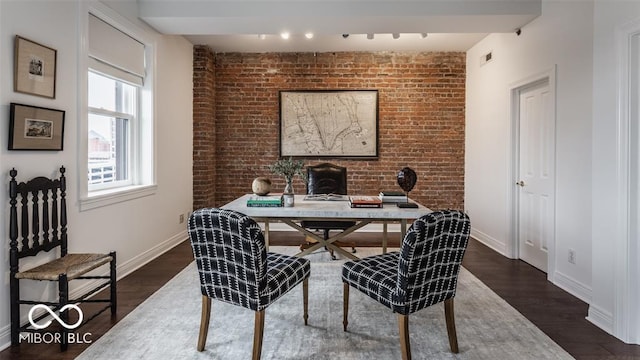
pixel 395 35
pixel 370 36
pixel 284 35
pixel 424 35
pixel 309 35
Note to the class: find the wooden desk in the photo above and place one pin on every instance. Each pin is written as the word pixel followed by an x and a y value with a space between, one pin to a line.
pixel 327 210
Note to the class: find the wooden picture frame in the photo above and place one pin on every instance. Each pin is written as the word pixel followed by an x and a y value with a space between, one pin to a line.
pixel 34 70
pixel 329 123
pixel 35 128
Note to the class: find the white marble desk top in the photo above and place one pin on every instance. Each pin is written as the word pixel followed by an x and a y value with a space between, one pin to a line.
pixel 327 209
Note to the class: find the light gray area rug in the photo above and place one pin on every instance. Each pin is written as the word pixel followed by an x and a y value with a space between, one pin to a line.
pixel 166 325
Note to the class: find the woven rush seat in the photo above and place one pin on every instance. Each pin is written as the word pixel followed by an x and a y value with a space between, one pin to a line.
pixel 73 265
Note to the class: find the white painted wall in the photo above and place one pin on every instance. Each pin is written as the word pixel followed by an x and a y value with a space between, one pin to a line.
pixel 140 229
pixel 582 41
pixel 561 41
pixel 611 283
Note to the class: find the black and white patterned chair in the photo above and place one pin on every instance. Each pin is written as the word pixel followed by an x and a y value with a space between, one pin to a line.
pixel 423 273
pixel 235 267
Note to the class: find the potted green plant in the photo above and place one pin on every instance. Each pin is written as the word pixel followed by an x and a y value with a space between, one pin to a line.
pixel 288 168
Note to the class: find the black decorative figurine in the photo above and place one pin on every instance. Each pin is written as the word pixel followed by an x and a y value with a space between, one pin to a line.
pixel 407 179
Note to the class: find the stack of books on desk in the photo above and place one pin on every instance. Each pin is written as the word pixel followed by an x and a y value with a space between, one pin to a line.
pixel 393 197
pixel 265 201
pixel 365 202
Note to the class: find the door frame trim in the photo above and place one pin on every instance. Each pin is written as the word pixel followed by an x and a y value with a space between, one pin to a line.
pixel 627 252
pixel 513 201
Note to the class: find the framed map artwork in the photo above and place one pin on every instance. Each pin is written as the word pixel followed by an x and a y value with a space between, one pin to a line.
pixel 329 123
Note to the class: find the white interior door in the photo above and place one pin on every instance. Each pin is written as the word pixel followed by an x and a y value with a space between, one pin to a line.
pixel 536 210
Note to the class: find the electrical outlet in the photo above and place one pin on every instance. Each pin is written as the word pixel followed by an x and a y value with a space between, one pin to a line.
pixel 572 256
pixel 181 218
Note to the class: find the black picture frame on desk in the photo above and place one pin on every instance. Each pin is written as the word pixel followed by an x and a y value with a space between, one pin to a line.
pixel 329 123
pixel 35 128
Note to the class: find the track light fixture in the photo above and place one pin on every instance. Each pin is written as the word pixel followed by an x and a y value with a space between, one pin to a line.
pixel 309 35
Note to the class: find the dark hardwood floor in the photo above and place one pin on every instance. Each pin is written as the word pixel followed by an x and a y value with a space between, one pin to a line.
pixel 560 315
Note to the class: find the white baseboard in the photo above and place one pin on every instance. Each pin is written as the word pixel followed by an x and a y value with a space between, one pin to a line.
pixel 123 270
pixel 490 242
pixel 145 257
pixel 600 318
pixel 572 286
pixel 133 264
pixel 5 337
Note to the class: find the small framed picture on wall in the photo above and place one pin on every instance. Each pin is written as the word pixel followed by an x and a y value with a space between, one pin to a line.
pixel 34 68
pixel 35 128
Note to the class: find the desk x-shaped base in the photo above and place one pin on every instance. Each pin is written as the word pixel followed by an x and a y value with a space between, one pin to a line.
pixel 321 242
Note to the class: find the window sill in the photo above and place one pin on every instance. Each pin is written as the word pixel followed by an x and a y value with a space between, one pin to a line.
pixel 113 196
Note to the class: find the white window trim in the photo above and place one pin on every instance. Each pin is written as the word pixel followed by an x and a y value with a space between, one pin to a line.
pixel 132 148
pixel 147 155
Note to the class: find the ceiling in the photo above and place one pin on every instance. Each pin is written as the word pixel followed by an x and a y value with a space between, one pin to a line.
pixel 337 25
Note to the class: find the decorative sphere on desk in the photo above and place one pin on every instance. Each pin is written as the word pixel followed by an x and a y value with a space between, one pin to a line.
pixel 407 179
pixel 261 186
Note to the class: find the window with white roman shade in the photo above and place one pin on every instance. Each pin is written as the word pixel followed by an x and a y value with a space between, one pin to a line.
pixel 115 53
pixel 118 127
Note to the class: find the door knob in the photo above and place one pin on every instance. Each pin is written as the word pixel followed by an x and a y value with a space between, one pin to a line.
pixel 520 183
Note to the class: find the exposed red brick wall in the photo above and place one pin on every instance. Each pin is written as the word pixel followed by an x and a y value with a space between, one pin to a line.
pixel 421 119
pixel 204 127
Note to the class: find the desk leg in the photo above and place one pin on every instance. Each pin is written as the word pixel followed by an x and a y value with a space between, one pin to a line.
pixel 384 237
pixel 403 229
pixel 266 234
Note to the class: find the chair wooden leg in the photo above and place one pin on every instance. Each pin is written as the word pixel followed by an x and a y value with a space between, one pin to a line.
pixel 204 322
pixel 63 293
pixel 345 306
pixel 403 326
pixel 257 335
pixel 113 279
pixel 451 325
pixel 15 309
pixel 305 300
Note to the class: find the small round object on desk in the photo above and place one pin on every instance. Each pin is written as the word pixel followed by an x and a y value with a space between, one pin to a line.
pixel 261 186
